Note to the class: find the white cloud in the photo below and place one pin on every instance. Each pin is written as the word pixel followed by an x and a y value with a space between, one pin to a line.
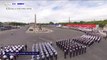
pixel 56 11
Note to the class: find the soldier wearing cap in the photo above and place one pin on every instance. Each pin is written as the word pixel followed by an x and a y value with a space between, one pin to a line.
pixel 76 51
pixel 82 49
pixel 42 57
pixel 99 39
pixel 12 57
pixel 85 49
pixel 56 56
pixel 47 56
pixel 25 47
pixel 1 54
pixel 5 57
pixel 37 57
pixel 65 53
pixel 79 50
pixel 70 52
pixel 67 50
pixel 73 49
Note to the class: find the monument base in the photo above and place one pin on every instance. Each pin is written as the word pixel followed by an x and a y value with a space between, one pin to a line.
pixel 37 30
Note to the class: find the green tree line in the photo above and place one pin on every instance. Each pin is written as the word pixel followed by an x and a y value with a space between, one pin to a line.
pixel 101 23
pixel 17 23
pixel 13 23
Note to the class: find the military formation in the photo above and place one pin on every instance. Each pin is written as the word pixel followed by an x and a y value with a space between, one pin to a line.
pixel 87 40
pixel 12 48
pixel 46 51
pixel 71 48
pixel 77 46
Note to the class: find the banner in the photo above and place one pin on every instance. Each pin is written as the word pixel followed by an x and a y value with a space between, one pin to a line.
pixel 82 25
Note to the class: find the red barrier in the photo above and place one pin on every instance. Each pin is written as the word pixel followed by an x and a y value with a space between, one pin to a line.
pixel 82 25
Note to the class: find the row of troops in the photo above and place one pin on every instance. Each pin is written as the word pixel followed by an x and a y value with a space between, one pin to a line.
pixel 46 51
pixel 71 48
pixel 78 45
pixel 94 33
pixel 87 40
pixel 12 48
pixel 106 34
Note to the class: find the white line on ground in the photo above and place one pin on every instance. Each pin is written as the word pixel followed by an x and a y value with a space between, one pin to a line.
pixel 44 39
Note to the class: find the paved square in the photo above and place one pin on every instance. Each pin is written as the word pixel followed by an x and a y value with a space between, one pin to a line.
pixel 19 36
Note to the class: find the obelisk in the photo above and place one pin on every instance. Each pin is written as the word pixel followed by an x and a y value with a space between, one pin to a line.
pixel 35 21
pixel 69 20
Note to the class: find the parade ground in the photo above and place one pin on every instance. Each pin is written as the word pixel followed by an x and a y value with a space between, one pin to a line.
pixel 19 36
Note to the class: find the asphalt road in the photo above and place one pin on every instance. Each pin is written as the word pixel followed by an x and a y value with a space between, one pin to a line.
pixel 18 36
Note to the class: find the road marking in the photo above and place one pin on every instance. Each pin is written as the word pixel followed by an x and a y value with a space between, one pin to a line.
pixel 44 39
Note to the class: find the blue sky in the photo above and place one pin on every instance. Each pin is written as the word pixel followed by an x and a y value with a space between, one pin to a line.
pixel 56 10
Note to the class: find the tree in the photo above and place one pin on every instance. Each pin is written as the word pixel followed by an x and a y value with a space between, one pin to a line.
pixel 101 25
pixel 17 23
pixel 51 22
pixel 75 22
pixel 1 23
pixel 81 22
